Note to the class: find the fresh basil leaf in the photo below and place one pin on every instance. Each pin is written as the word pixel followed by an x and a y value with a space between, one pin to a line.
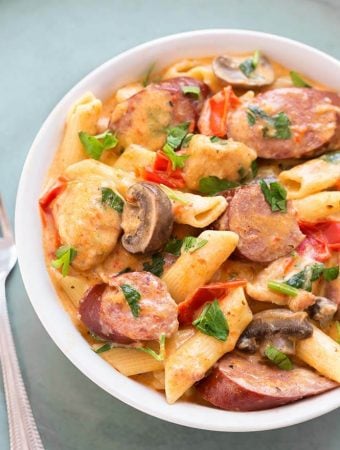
pixel 217 140
pixel 254 168
pixel 191 244
pixel 147 76
pixel 212 185
pixel 297 80
pixel 111 199
pixel 104 348
pixel 174 246
pixel 176 134
pixel 331 273
pixel 94 146
pixel 282 288
pixel 177 161
pixel 158 356
pixel 176 196
pixel 279 358
pixel 332 157
pixel 132 296
pixel 248 66
pixel 212 322
pixel 156 265
pixel 194 90
pixel 275 195
pixel 64 257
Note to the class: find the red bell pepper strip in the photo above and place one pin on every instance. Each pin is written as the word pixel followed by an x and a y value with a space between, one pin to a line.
pixel 213 118
pixel 203 294
pixel 320 239
pixel 162 173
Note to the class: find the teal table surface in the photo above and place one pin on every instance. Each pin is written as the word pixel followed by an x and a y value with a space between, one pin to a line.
pixel 45 48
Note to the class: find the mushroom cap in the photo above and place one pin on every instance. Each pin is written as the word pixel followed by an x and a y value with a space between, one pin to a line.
pixel 147 218
pixel 227 68
pixel 323 310
pixel 270 325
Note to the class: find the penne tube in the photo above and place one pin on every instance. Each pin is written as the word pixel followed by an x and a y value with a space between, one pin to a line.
pixel 130 361
pixel 74 287
pixel 135 158
pixel 192 270
pixel 320 352
pixel 199 353
pixel 310 177
pixel 319 207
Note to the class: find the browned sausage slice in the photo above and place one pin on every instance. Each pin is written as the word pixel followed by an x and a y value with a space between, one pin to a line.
pixel 243 383
pixel 311 113
pixel 105 311
pixel 263 235
pixel 144 118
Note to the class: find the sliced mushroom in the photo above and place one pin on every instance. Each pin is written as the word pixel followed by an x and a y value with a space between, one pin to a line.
pixel 227 68
pixel 323 310
pixel 147 218
pixel 267 327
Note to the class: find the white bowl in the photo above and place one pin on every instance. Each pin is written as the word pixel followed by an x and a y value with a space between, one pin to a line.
pixel 124 68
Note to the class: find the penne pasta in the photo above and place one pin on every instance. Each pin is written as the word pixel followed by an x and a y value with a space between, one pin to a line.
pixel 192 270
pixel 135 158
pixel 75 288
pixel 319 207
pixel 310 177
pixel 228 160
pixel 322 353
pixel 199 353
pixel 130 361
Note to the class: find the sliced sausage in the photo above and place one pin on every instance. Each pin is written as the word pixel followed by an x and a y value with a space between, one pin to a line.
pixel 144 118
pixel 311 113
pixel 263 235
pixel 106 312
pixel 245 383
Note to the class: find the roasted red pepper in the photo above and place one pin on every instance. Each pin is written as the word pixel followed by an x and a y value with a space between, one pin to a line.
pixel 162 173
pixel 320 239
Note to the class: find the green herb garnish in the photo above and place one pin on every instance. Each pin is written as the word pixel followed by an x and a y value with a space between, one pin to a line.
pixel 158 356
pixel 212 185
pixel 104 348
pixel 297 80
pixel 278 358
pixel 248 66
pixel 64 257
pixel 332 157
pixel 176 134
pixel 177 161
pixel 275 195
pixel 254 168
pixel 194 90
pixel 156 266
pixel 282 288
pixel 132 296
pixel 212 322
pixel 217 140
pixel 331 273
pixel 312 272
pixel 111 199
pixel 278 126
pixel 187 139
pixel 191 244
pixel 174 246
pixel 94 146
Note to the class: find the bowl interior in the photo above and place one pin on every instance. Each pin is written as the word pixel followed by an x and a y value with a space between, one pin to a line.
pixel 122 69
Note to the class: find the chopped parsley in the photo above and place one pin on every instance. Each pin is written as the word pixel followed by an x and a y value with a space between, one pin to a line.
pixel 174 140
pixel 332 157
pixel 212 185
pixel 64 257
pixel 111 199
pixel 104 348
pixel 193 90
pixel 212 322
pixel 312 272
pixel 297 80
pixel 174 246
pixel 279 358
pixel 156 266
pixel 177 161
pixel 158 356
pixel 331 273
pixel 254 168
pixel 275 195
pixel 282 288
pixel 277 126
pixel 191 244
pixel 94 146
pixel 217 140
pixel 132 296
pixel 187 139
pixel 248 66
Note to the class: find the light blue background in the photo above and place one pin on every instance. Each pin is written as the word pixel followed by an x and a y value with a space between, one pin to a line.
pixel 45 48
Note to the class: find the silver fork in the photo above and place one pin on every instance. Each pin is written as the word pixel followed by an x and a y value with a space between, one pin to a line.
pixel 23 432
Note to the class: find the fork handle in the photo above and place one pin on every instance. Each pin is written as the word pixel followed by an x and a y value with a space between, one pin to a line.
pixel 23 432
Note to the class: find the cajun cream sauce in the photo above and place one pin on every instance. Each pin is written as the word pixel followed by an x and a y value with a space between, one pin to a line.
pixel 71 288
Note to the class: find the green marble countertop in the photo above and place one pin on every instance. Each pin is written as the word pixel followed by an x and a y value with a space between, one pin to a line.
pixel 45 48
